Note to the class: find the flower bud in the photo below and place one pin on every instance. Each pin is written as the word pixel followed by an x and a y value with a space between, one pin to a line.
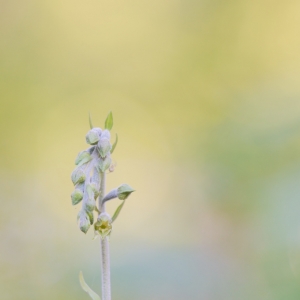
pixel 104 164
pixel 103 226
pixel 93 136
pixel 76 196
pixel 105 134
pixel 82 158
pixel 124 191
pixel 90 204
pixel 104 147
pixel 91 217
pixel 95 189
pixel 83 221
pixel 78 176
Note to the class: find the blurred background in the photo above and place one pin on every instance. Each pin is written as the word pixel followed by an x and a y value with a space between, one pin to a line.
pixel 206 102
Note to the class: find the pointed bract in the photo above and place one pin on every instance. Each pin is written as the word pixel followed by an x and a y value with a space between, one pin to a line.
pixel 90 121
pixel 114 145
pixel 117 212
pixel 109 121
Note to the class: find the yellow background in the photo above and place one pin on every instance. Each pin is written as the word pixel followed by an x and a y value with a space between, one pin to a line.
pixel 206 102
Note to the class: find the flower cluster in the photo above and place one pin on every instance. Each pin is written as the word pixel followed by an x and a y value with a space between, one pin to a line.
pixel 87 176
pixel 90 171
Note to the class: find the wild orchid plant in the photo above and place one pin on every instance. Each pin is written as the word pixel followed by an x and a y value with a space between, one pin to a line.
pixel 89 179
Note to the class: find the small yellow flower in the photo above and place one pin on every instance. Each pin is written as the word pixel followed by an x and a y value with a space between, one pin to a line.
pixel 103 226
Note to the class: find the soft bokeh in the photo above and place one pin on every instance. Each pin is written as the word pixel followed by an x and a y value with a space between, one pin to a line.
pixel 206 103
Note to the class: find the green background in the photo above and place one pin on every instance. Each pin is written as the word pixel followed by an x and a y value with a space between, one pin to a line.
pixel 206 103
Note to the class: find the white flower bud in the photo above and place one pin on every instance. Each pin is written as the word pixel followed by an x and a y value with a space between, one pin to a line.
pixel 95 189
pixel 124 191
pixel 104 147
pixel 104 164
pixel 82 158
pixel 105 134
pixel 93 136
pixel 78 176
pixel 76 196
pixel 83 221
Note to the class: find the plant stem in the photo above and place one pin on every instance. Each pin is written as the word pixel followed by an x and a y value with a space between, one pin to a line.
pixel 105 257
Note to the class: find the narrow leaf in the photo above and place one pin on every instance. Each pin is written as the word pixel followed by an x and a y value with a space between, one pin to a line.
pixel 117 211
pixel 87 289
pixel 114 145
pixel 109 121
pixel 90 120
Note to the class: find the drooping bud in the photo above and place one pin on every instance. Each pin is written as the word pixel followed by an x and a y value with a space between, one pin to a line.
pixel 83 221
pixel 104 147
pixel 111 195
pixel 82 158
pixel 76 196
pixel 89 199
pixel 95 189
pixel 78 176
pixel 91 217
pixel 103 226
pixel 93 136
pixel 104 164
pixel 124 191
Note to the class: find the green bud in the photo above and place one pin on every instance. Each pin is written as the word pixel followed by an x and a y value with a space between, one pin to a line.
pixel 83 221
pixel 80 186
pixel 104 164
pixel 76 196
pixel 78 176
pixel 124 191
pixel 90 204
pixel 103 226
pixel 91 217
pixel 82 158
pixel 93 136
pixel 95 189
pixel 104 147
pixel 89 200
pixel 90 190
